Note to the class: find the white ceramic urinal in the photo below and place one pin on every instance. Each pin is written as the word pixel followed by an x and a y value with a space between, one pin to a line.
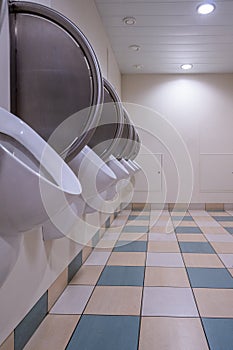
pixel 129 167
pixel 122 175
pixel 135 165
pixel 95 176
pixel 35 183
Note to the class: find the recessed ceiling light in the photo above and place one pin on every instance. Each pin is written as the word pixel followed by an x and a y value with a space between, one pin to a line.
pixel 186 66
pixel 138 66
pixel 129 21
pixel 206 8
pixel 134 47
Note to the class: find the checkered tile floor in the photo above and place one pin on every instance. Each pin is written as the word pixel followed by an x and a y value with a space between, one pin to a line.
pixel 156 280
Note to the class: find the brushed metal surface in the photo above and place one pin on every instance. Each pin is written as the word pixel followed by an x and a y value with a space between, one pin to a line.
pixel 2 12
pixel 54 75
pixel 107 134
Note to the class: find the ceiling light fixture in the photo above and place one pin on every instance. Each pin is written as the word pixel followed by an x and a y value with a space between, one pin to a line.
pixel 135 47
pixel 206 8
pixel 186 66
pixel 129 21
pixel 138 66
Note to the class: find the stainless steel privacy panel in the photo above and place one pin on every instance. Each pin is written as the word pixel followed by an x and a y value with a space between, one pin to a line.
pixel 107 134
pixel 2 12
pixel 136 144
pixel 122 147
pixel 54 75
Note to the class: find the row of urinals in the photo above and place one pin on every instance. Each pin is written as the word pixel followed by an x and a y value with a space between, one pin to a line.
pixel 60 159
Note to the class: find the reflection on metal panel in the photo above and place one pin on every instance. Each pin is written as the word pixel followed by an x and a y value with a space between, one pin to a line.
pixel 54 74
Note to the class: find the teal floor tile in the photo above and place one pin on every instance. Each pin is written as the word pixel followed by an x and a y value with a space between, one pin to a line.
pixel 196 247
pixel 223 218
pixel 187 229
pixel 139 217
pixel 210 278
pixel 137 229
pixel 96 332
pixel 30 323
pixel 219 332
pixel 183 218
pixel 122 276
pixel 126 246
pixel 229 229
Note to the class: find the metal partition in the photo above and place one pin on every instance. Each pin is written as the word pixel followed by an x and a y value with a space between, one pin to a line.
pixel 111 123
pixel 2 11
pixel 54 75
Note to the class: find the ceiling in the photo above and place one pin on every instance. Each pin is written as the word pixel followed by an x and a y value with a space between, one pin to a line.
pixel 170 33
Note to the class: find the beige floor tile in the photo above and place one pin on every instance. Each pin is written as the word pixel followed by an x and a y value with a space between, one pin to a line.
pixel 163 247
pixel 115 301
pixel 165 333
pixel 214 230
pixel 8 344
pixel 202 260
pixel 137 223
pixel 53 333
pixel 133 237
pixel 86 252
pixel 104 245
pixel 223 247
pixel 57 288
pixel 127 259
pixel 231 271
pixel 226 223
pixel 87 275
pixel 191 237
pixel 218 213
pixel 166 277
pixel 214 302
pixel 204 218
pixel 161 229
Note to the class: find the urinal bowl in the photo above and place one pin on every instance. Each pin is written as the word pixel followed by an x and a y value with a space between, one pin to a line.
pixel 129 167
pixel 95 176
pixel 35 183
pixel 103 198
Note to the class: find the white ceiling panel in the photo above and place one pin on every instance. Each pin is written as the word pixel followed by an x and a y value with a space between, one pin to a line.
pixel 170 33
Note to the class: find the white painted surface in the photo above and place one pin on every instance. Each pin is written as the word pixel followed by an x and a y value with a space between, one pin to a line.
pixel 200 108
pixel 170 33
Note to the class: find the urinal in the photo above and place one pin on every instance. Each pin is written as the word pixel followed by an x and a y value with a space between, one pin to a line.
pixel 129 167
pixel 35 183
pixel 122 174
pixel 135 165
pixel 95 176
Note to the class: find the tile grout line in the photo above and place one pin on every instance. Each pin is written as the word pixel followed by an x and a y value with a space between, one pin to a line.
pixel 143 285
pixel 82 314
pixel 192 288
pixel 216 242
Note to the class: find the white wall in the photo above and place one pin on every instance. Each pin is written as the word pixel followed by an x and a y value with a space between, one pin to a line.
pixel 40 263
pixel 200 107
pixel 85 15
pixel 4 65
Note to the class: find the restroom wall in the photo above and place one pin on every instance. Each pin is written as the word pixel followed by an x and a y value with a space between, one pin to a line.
pixel 40 263
pixel 85 15
pixel 4 66
pixel 200 108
